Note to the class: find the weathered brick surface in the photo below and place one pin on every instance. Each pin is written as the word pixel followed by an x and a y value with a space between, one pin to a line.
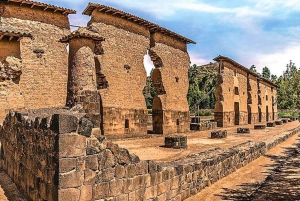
pixel 44 76
pixel 121 76
pixel 254 96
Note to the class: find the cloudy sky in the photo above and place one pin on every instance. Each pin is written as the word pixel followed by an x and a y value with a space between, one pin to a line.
pixel 259 32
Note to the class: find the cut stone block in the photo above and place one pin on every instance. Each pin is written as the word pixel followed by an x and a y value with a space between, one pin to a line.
pixel 176 141
pixel 243 130
pixel 219 134
pixel 259 126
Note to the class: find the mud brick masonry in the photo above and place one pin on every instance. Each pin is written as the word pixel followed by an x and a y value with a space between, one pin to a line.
pixel 242 96
pixel 54 154
pixel 107 57
pixel 32 60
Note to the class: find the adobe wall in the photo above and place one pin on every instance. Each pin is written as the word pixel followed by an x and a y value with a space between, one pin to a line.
pixel 253 93
pixel 253 98
pixel 274 103
pixel 226 97
pixel 54 154
pixel 9 48
pixel 43 81
pixel 25 12
pixel 122 65
pixel 172 61
pixel 266 91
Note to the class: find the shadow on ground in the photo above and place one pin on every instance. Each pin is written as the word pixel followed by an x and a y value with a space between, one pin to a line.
pixel 281 184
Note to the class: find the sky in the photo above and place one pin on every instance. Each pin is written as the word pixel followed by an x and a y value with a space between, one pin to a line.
pixel 251 32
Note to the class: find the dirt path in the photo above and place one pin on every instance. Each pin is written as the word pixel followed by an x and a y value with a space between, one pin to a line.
pixel 245 181
pixel 152 148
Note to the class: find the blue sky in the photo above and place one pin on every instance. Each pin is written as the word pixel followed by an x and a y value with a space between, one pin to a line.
pixel 259 32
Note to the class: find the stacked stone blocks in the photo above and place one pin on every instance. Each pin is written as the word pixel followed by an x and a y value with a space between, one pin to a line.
pixel 58 157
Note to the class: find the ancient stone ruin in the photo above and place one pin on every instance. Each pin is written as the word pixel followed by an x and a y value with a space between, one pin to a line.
pixel 70 102
pixel 254 97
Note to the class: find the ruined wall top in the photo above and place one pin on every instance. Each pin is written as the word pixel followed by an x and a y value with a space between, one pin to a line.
pixel 44 6
pixel 129 17
pixel 82 32
pixel 223 58
pixel 13 35
pixel 36 11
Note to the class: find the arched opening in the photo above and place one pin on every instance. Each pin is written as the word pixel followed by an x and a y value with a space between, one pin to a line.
pixel 101 83
pixel 148 90
pixel 158 82
pixel 249 114
pixel 157 116
pixel 148 63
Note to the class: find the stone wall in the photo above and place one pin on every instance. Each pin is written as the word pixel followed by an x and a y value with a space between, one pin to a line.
pixel 127 40
pixel 43 80
pixel 172 64
pixel 242 97
pixel 122 66
pixel 56 155
pixel 252 98
pixel 30 149
pixel 106 171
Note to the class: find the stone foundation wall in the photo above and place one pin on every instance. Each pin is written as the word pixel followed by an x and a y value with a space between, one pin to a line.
pixel 224 119
pixel 90 103
pixel 29 155
pixel 110 172
pixel 57 157
pixel 124 122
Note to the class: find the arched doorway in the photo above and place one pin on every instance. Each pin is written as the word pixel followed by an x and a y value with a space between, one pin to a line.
pixel 157 115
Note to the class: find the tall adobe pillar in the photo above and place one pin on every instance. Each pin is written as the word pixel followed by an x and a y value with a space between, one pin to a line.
pixel 84 72
pixel 84 45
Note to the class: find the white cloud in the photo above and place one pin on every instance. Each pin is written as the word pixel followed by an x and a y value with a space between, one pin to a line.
pixel 278 4
pixel 277 62
pixel 198 59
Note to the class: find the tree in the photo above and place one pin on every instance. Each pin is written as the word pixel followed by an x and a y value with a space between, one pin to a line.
pixel 253 69
pixel 288 94
pixel 266 72
pixel 274 78
pixel 149 91
pixel 202 84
